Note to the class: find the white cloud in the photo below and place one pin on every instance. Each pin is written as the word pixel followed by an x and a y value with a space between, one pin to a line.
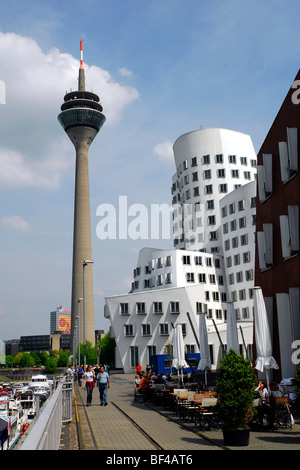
pixel 34 151
pixel 18 170
pixel 125 72
pixel 15 222
pixel 164 151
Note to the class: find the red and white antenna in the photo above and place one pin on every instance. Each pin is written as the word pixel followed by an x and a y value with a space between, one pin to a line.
pixel 81 79
pixel 81 55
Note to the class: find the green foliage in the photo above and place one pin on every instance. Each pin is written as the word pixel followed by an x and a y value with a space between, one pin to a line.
pixel 9 360
pixel 43 357
pixel 36 358
pixel 91 353
pixel 106 352
pixel 63 358
pixel 51 365
pixel 24 360
pixel 235 390
pixel 107 346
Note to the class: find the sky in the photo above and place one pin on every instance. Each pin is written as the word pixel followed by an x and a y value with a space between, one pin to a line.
pixel 161 68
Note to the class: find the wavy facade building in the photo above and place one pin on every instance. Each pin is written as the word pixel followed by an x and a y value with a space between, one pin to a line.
pixel 213 198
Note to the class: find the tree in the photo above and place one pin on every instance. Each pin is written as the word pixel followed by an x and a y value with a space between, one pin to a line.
pixel 51 365
pixel 63 358
pixel 36 358
pixel 54 354
pixel 107 346
pixel 44 357
pixel 24 360
pixel 10 360
pixel 91 353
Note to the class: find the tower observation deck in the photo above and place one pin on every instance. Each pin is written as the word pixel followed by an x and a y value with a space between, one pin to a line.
pixel 81 117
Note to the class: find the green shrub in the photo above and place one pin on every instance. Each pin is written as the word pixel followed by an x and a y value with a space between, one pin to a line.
pixel 235 391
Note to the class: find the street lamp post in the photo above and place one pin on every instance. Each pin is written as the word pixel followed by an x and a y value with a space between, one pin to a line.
pixel 78 316
pixel 75 339
pixel 74 346
pixel 85 263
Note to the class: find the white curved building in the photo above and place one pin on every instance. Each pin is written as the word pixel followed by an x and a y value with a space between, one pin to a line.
pixel 210 163
pixel 238 211
pixel 211 263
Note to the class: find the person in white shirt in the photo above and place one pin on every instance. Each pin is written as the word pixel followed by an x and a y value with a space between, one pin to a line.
pixel 89 377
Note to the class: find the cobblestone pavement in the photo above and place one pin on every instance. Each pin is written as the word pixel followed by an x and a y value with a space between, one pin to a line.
pixel 146 426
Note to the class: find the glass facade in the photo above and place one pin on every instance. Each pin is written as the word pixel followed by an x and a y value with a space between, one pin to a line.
pixel 81 117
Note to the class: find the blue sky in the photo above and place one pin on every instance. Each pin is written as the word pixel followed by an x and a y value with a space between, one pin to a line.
pixel 161 69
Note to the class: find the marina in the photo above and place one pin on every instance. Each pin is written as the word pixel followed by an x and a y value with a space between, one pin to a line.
pixel 20 403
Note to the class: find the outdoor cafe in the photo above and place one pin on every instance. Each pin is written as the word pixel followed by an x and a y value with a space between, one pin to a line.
pixel 195 401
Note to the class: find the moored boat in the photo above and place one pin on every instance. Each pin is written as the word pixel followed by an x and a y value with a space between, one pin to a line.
pixel 9 424
pixel 26 400
pixel 38 382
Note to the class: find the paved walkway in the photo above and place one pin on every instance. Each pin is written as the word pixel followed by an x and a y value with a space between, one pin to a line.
pixel 140 427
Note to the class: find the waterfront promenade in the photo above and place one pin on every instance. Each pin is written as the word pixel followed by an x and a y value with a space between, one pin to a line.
pixel 128 425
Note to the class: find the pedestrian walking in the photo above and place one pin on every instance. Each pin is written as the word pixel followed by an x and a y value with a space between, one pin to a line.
pixel 89 377
pixel 79 374
pixel 103 383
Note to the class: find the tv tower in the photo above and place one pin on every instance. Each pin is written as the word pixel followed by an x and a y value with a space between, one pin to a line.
pixel 81 117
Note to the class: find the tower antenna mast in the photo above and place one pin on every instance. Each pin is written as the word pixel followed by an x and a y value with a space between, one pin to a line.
pixel 81 80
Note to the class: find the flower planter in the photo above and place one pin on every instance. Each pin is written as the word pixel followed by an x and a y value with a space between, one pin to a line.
pixel 236 437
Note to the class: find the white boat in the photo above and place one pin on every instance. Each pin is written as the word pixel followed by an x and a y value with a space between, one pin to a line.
pixel 15 408
pixel 9 426
pixel 38 382
pixel 27 402
pixel 41 392
pixel 18 389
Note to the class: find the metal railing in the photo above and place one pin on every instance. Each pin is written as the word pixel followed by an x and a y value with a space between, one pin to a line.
pixel 46 432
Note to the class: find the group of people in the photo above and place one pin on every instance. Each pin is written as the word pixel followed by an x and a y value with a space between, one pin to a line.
pixel 264 394
pixel 89 377
pixel 143 379
pixel 99 376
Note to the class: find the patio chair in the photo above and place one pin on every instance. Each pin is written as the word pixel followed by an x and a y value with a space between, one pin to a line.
pixel 187 404
pixel 208 418
pixel 180 401
pixel 280 413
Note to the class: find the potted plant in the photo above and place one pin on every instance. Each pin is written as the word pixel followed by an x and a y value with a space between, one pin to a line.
pixel 235 393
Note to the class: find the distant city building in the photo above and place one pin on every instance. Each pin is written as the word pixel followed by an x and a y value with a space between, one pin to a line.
pixel 60 321
pixel 39 343
pixel 12 347
pixel 214 193
pixel 36 343
pixel 277 264
pixel 99 334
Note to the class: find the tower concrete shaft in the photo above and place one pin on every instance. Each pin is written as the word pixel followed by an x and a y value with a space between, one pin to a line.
pixel 82 118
